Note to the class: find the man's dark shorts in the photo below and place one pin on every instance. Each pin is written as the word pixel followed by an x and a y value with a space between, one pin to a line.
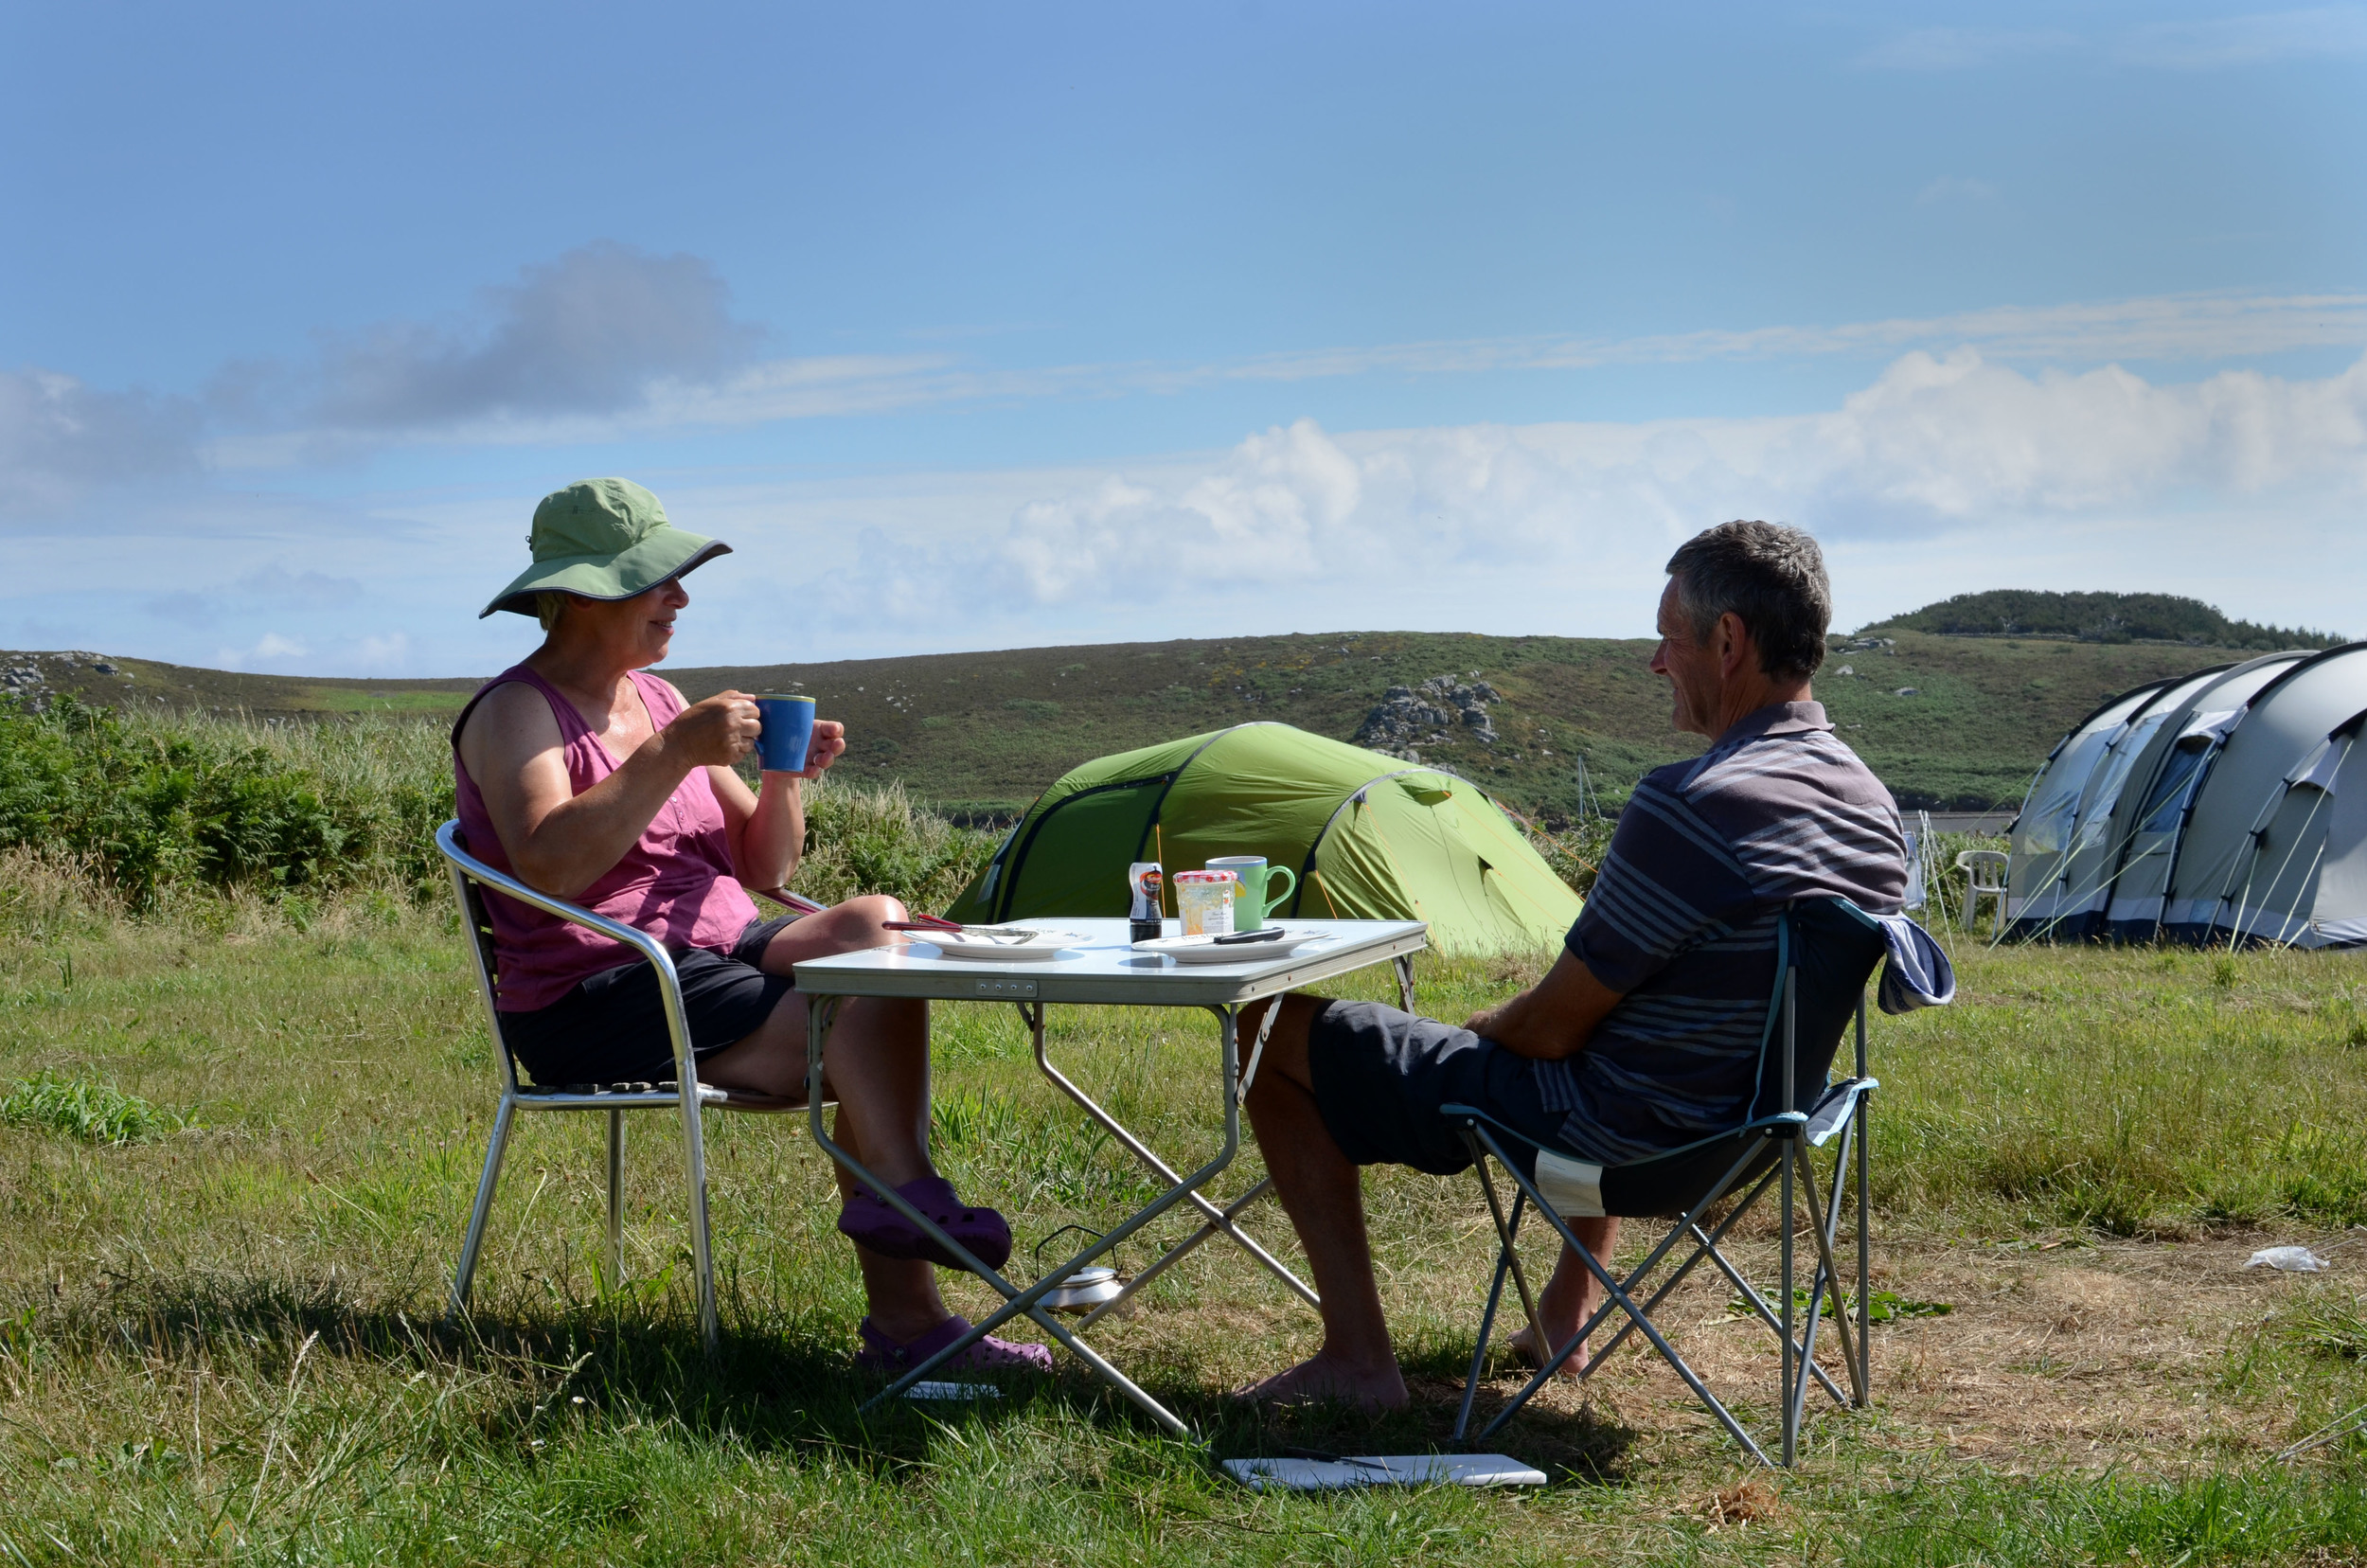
pixel 612 1028
pixel 1381 1077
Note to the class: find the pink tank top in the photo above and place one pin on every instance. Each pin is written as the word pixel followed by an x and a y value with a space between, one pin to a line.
pixel 676 884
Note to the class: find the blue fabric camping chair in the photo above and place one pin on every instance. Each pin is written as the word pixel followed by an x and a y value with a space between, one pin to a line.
pixel 1826 950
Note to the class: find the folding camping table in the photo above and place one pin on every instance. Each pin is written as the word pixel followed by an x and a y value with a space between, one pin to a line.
pixel 1102 968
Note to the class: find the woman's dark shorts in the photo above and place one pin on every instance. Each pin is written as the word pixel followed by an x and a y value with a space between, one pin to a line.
pixel 612 1028
pixel 1381 1077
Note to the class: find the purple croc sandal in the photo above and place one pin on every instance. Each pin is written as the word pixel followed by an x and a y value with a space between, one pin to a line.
pixel 868 1221
pixel 882 1354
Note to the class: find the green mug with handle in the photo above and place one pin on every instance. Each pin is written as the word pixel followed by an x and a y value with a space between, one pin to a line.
pixel 1256 901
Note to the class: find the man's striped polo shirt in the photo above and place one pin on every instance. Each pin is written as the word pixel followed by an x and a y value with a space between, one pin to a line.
pixel 1682 923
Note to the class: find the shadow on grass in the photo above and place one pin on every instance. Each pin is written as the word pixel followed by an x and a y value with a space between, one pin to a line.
pixel 786 1381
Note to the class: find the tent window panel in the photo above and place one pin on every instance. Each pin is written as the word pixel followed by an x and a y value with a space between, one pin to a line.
pixel 2046 825
pixel 2170 792
pixel 2096 821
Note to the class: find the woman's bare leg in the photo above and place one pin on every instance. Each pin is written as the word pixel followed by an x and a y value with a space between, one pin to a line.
pixel 876 1063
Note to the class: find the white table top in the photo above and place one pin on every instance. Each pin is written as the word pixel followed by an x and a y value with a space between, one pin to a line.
pixel 1104 968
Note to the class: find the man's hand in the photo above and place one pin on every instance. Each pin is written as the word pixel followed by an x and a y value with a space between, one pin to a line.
pixel 1553 1018
pixel 716 733
pixel 1484 1022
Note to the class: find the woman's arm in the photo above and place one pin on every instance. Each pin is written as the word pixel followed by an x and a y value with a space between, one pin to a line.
pixel 767 828
pixel 1552 1019
pixel 561 842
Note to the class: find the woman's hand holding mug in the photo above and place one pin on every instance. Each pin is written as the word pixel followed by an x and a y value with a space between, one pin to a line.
pixel 717 732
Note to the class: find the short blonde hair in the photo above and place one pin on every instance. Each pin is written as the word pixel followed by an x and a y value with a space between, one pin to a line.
pixel 546 608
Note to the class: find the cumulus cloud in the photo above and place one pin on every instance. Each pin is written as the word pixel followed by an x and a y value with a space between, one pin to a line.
pixel 266 590
pixel 2320 33
pixel 2325 32
pixel 1955 187
pixel 1944 471
pixel 1961 48
pixel 1936 443
pixel 270 648
pixel 391 651
pixel 58 436
pixel 591 332
pixel 2170 328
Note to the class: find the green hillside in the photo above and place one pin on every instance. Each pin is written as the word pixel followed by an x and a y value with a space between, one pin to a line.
pixel 2101 618
pixel 982 733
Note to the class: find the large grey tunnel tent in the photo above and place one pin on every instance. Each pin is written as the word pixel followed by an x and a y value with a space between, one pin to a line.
pixel 2230 805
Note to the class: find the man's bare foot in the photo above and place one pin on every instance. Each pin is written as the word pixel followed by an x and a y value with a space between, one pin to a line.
pixel 1319 1379
pixel 1523 1344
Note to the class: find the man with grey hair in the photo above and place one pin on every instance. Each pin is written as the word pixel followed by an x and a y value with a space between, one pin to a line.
pixel 1644 1035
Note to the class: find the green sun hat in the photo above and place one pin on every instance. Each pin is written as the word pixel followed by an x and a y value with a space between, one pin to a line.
pixel 604 539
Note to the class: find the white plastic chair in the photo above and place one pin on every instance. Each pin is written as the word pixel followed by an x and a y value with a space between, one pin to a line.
pixel 683 1093
pixel 1985 878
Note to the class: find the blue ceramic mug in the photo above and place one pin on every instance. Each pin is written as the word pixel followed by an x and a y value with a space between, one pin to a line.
pixel 788 731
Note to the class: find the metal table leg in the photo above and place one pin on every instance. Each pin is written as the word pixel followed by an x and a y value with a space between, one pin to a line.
pixel 1018 1301
pixel 1215 1220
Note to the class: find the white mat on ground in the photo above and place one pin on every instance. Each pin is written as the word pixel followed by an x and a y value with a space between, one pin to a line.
pixel 1384 1470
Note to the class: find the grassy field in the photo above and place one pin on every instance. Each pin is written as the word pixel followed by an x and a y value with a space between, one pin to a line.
pixel 981 734
pixel 238 1138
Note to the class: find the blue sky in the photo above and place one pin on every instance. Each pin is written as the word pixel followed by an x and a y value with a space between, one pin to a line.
pixel 974 327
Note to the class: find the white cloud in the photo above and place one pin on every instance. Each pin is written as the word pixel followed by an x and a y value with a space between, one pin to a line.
pixel 270 648
pixel 1943 474
pixel 58 437
pixel 2319 33
pixel 606 344
pixel 587 333
pixel 2326 32
pixel 1935 441
pixel 1955 189
pixel 1961 48
pixel 2169 327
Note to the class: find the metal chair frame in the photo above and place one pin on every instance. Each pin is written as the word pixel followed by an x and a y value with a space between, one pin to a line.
pixel 683 1093
pixel 1782 1140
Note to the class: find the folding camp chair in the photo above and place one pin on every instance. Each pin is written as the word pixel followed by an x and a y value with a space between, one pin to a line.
pixel 1825 952
pixel 683 1091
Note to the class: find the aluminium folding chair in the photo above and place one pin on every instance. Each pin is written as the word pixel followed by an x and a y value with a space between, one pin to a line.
pixel 683 1093
pixel 1826 950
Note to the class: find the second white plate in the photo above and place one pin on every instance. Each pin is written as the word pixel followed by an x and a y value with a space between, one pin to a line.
pixel 1206 950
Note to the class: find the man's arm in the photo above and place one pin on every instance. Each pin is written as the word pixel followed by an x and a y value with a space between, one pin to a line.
pixel 1553 1018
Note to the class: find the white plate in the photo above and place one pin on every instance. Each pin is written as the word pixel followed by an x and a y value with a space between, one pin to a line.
pixel 978 942
pixel 1206 950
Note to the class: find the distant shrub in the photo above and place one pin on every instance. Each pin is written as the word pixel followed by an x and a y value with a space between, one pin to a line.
pixel 2102 617
pixel 137 803
pixel 1575 852
pixel 147 800
pixel 865 840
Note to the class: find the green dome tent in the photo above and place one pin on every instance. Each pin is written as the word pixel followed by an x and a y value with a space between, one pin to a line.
pixel 1369 837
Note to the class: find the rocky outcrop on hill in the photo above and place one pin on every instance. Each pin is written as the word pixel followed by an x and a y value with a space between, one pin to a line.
pixel 1440 709
pixel 24 677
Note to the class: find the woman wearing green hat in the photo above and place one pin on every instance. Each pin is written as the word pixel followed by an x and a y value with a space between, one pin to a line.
pixel 586 777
